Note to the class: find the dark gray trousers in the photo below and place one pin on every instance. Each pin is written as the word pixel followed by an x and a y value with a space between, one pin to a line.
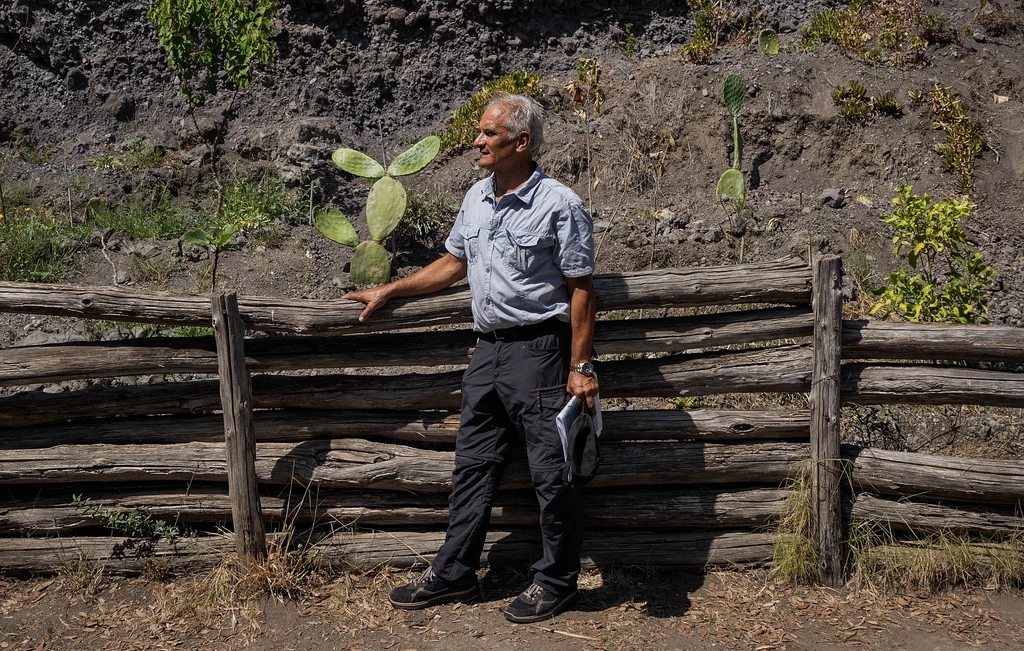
pixel 515 384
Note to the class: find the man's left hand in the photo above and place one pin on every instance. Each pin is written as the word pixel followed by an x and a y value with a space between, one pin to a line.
pixel 583 387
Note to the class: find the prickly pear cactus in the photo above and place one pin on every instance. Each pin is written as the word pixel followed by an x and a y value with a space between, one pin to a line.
pixel 358 163
pixel 735 93
pixel 416 157
pixel 731 185
pixel 768 42
pixel 385 207
pixel 370 264
pixel 336 227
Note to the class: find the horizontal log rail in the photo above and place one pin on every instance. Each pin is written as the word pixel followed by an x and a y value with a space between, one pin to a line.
pixel 922 517
pixel 165 355
pixel 358 463
pixel 52 512
pixel 782 369
pixel 935 477
pixel 783 281
pixel 21 556
pixel 864 339
pixel 405 427
pixel 887 384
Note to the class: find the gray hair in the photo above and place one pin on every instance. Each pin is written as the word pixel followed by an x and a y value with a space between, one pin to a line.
pixel 523 113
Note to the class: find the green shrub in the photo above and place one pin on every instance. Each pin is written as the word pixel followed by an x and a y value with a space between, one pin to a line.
pixel 950 281
pixel 213 43
pixel 874 30
pixel 427 217
pixel 716 22
pixel 963 138
pixel 464 126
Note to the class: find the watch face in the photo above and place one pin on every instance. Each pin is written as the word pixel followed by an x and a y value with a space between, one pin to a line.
pixel 586 368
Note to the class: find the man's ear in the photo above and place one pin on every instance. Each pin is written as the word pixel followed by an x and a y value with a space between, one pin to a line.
pixel 523 143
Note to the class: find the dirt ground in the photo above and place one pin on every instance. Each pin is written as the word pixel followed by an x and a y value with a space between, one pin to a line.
pixel 619 609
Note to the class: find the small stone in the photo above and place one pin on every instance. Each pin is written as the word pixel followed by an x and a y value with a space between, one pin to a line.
pixel 1014 312
pixel 833 197
pixel 397 15
pixel 704 92
pixel 602 226
pixel 711 236
pixel 738 227
pixel 979 37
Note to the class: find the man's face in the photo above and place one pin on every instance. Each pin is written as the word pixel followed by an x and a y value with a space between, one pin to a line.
pixel 500 149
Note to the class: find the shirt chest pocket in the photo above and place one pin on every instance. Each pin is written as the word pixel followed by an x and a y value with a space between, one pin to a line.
pixel 471 237
pixel 525 251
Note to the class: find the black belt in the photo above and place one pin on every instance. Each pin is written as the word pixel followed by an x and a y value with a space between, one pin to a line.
pixel 552 326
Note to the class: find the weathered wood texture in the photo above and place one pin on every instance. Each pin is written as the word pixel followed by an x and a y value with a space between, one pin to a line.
pixel 48 512
pixel 886 384
pixel 406 427
pixel 357 463
pixel 82 360
pixel 934 477
pixel 863 339
pixel 19 556
pixel 239 428
pixel 922 517
pixel 826 506
pixel 783 281
pixel 784 369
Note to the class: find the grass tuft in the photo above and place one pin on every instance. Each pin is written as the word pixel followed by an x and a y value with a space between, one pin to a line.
pixel 794 560
pixel 963 137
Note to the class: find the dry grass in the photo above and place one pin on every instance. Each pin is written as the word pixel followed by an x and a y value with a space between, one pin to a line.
pixel 794 560
pixel 81 576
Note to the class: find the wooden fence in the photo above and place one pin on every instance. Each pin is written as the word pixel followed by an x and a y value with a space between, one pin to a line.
pixel 346 432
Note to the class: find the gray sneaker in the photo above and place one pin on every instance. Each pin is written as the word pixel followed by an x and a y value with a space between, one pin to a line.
pixel 536 604
pixel 428 589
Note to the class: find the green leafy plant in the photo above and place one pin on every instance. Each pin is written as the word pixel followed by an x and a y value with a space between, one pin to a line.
pixel 216 240
pixel 385 206
pixel 717 22
pixel 873 30
pixel 632 44
pixel 731 184
pixel 963 140
pixel 426 215
pixel 213 42
pixel 950 280
pixel 149 214
pixel 854 103
pixel 255 200
pixel 142 530
pixel 464 125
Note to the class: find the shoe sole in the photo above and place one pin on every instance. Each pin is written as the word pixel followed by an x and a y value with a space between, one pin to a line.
pixel 558 608
pixel 463 596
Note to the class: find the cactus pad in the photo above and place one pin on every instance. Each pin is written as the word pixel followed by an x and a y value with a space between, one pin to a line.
pixel 768 42
pixel 370 264
pixel 416 157
pixel 337 227
pixel 731 185
pixel 358 163
pixel 735 93
pixel 384 207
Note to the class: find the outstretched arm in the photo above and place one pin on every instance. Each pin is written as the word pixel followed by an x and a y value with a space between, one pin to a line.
pixel 434 277
pixel 582 311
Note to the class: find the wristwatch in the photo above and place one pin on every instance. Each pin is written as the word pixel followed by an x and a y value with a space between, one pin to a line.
pixel 583 368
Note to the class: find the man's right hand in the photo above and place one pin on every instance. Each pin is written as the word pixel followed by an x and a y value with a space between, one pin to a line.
pixel 374 298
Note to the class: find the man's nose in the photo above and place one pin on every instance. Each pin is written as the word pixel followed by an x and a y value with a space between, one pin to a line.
pixel 479 141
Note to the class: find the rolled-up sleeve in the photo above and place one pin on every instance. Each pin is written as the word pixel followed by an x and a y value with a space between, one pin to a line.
pixel 456 244
pixel 575 246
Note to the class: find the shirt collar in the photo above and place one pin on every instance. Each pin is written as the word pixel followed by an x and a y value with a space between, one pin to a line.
pixel 525 192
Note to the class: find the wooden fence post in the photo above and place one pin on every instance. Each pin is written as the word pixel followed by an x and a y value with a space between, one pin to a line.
pixel 239 430
pixel 826 489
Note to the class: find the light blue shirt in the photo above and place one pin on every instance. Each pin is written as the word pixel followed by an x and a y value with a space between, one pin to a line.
pixel 520 250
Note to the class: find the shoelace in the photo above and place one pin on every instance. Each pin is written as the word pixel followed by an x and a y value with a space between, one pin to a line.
pixel 424 578
pixel 534 593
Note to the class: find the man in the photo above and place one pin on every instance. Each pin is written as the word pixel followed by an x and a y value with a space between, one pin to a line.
pixel 526 243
